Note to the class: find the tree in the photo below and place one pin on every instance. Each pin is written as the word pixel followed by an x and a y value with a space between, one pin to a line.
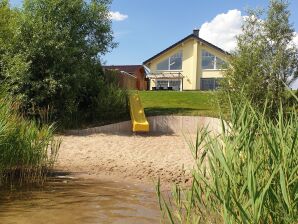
pixel 59 43
pixel 265 61
pixel 11 63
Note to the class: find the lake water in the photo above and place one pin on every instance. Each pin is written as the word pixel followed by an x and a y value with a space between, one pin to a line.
pixel 71 201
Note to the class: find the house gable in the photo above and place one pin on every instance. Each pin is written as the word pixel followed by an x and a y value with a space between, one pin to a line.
pixel 191 36
pixel 187 59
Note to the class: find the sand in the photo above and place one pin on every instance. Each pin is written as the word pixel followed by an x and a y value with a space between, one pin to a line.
pixel 140 158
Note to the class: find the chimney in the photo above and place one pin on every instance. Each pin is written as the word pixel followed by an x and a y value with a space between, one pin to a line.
pixel 196 32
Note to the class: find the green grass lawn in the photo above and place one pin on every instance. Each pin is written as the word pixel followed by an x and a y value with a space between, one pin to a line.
pixel 179 103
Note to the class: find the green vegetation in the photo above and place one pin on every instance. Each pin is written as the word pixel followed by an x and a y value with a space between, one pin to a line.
pixel 265 61
pixel 179 103
pixel 247 174
pixel 50 60
pixel 27 150
pixel 50 64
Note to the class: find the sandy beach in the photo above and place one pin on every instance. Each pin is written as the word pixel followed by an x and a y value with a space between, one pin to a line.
pixel 139 158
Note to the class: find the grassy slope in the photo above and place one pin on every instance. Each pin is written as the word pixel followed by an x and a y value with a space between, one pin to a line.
pixel 180 103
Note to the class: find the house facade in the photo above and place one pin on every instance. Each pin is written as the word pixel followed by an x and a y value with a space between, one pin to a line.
pixel 190 64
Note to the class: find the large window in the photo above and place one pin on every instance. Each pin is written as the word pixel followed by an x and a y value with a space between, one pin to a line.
pixel 172 63
pixel 210 61
pixel 164 65
pixel 209 83
pixel 168 84
pixel 162 83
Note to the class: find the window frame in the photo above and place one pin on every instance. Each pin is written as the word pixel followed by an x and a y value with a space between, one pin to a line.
pixel 168 83
pixel 215 84
pixel 168 59
pixel 214 63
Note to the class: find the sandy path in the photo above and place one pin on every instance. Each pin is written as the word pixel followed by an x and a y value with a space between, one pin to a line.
pixel 131 157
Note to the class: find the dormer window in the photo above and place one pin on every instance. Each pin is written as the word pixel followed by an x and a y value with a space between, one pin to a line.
pixel 210 61
pixel 172 63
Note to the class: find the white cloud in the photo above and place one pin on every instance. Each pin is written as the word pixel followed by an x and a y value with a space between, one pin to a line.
pixel 296 39
pixel 223 29
pixel 295 84
pixel 117 16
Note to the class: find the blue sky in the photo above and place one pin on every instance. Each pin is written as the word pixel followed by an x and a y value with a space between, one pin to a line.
pixel 149 26
pixel 145 27
pixel 153 25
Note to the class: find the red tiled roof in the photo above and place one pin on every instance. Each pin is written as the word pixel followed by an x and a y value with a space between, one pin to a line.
pixel 126 68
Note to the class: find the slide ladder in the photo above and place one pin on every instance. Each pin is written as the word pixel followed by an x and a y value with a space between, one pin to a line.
pixel 138 118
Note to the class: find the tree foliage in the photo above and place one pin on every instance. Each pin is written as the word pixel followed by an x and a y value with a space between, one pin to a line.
pixel 11 62
pixel 51 55
pixel 265 61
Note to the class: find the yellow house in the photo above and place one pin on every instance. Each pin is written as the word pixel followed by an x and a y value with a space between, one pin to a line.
pixel 190 64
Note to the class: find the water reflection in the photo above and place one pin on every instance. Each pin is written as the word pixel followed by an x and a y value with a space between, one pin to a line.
pixel 71 201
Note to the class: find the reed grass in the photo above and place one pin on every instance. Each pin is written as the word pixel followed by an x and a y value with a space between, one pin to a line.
pixel 246 174
pixel 27 149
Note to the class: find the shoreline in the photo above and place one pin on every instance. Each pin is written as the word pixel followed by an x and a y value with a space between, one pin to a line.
pixel 134 159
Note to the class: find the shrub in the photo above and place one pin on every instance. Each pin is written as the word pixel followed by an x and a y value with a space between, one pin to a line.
pixel 247 174
pixel 100 101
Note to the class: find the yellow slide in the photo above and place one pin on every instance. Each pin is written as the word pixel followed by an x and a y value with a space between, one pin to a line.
pixel 138 118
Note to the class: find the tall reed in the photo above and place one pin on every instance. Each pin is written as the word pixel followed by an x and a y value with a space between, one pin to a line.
pixel 27 149
pixel 246 174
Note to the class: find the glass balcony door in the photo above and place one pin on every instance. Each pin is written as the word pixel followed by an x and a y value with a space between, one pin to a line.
pixel 168 84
